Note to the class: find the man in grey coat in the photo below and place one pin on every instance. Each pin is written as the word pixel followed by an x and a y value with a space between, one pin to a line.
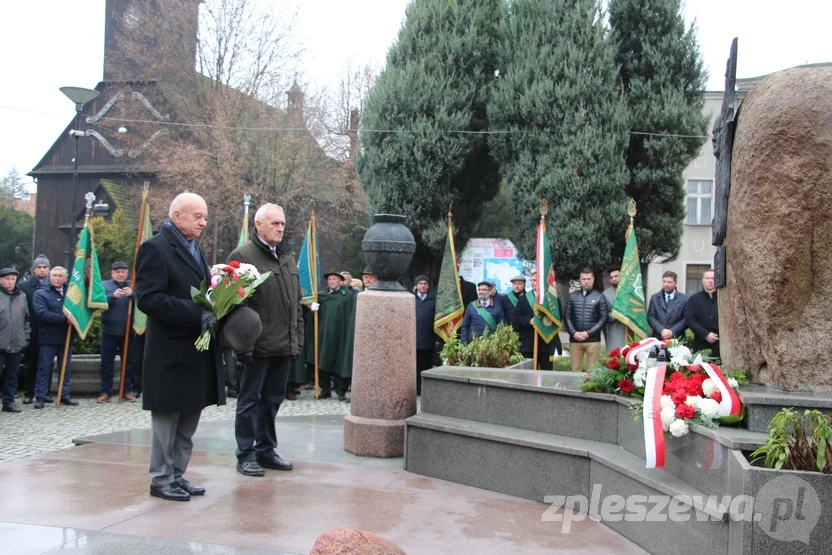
pixel 14 334
pixel 615 333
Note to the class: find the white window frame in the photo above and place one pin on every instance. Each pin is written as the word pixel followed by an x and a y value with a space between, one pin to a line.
pixel 700 198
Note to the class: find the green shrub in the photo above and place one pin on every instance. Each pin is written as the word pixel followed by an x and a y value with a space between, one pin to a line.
pixel 797 444
pixel 92 344
pixel 500 349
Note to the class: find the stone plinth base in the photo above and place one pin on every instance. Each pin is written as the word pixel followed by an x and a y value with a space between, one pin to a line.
pixel 371 437
pixel 383 375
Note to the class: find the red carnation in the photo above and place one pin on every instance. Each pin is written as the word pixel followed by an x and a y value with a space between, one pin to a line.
pixel 613 364
pixel 625 386
pixel 679 396
pixel 615 353
pixel 234 264
pixel 685 411
pixel 241 291
pixel 716 396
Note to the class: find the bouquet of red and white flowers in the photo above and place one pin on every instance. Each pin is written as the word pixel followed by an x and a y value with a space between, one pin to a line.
pixel 692 390
pixel 230 285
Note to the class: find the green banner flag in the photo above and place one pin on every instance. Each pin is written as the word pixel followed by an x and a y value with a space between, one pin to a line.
pixel 309 267
pixel 145 233
pixel 546 308
pixel 629 306
pixel 244 229
pixel 449 310
pixel 85 295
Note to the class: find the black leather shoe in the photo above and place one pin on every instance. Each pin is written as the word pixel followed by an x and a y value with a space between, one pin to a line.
pixel 171 492
pixel 275 463
pixel 69 402
pixel 250 468
pixel 188 487
pixel 11 407
pixel 49 399
pixel 28 400
pixel 39 404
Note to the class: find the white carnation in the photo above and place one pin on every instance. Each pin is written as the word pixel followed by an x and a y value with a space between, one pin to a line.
pixel 708 387
pixel 679 428
pixel 643 355
pixel 217 269
pixel 248 271
pixel 640 376
pixel 667 402
pixel 679 353
pixel 668 416
pixel 733 383
pixel 709 407
pixel 693 401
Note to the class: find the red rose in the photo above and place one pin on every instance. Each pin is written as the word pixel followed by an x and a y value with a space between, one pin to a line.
pixel 635 344
pixel 241 291
pixel 685 411
pixel 234 264
pixel 613 364
pixel 625 386
pixel 625 350
pixel 716 396
pixel 228 270
pixel 632 367
pixel 615 353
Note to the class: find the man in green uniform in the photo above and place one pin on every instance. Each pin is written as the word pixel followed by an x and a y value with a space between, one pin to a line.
pixel 336 326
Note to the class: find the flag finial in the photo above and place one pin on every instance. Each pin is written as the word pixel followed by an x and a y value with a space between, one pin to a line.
pixel 544 207
pixel 631 208
pixel 145 190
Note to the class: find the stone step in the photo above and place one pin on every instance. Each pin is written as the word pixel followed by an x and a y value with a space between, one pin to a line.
pixel 535 465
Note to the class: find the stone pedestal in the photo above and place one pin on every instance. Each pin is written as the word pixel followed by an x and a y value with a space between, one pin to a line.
pixel 384 374
pixel 774 310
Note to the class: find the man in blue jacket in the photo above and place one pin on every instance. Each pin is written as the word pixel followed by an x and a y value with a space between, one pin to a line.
pixel 480 314
pixel 49 305
pixel 113 328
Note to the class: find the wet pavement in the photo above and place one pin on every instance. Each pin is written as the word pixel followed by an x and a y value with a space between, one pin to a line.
pixel 93 498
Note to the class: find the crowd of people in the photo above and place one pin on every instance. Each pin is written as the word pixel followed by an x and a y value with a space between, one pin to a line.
pixel 176 381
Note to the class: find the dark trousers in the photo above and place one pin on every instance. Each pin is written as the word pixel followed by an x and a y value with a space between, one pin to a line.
pixel 30 368
pixel 138 362
pixel 262 390
pixel 232 376
pixel 545 350
pixel 424 361
pixel 110 345
pixel 327 381
pixel 9 366
pixel 43 383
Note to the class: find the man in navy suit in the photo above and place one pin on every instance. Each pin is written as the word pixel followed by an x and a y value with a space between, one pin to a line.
pixel 666 313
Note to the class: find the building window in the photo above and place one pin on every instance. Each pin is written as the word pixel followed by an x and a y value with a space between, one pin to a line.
pixel 699 200
pixel 693 278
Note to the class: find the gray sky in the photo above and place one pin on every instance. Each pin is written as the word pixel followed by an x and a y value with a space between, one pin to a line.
pixel 47 44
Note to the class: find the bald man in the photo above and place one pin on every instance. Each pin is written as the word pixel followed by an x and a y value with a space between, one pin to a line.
pixel 178 380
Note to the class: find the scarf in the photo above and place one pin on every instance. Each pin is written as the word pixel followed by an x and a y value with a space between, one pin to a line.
pixel 191 246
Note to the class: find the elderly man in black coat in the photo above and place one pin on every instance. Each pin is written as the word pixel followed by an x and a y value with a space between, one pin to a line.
pixel 178 380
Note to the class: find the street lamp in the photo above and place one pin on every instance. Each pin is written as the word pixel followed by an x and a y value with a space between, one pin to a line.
pixel 80 97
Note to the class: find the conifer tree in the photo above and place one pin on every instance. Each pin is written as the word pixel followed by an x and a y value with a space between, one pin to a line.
pixel 661 69
pixel 565 122
pixel 417 158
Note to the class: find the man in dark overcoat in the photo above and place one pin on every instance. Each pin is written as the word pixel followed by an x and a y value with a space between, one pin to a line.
pixel 178 380
pixel 518 308
pixel 425 336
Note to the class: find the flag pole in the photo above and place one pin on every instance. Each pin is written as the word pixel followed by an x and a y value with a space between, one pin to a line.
pixel 535 349
pixel 125 350
pixel 90 198
pixel 63 365
pixel 313 278
pixel 544 209
pixel 317 390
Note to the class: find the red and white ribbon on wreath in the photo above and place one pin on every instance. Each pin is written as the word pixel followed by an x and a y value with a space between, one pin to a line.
pixel 730 404
pixel 643 345
pixel 652 417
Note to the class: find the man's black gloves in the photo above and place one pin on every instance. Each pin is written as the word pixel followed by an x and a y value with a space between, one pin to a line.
pixel 297 355
pixel 246 358
pixel 209 322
